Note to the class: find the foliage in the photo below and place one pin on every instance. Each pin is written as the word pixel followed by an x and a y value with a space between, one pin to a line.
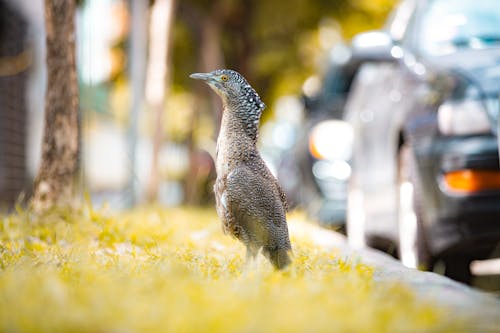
pixel 273 43
pixel 265 39
pixel 163 270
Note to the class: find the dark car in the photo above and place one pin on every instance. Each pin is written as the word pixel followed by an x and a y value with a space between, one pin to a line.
pixel 425 164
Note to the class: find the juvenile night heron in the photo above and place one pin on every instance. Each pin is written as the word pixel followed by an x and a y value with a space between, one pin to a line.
pixel 249 200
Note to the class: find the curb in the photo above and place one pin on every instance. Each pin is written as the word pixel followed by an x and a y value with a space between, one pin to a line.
pixel 479 309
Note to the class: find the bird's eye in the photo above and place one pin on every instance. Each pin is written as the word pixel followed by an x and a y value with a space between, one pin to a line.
pixel 224 78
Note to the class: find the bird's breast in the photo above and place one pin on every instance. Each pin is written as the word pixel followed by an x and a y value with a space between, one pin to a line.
pixel 222 158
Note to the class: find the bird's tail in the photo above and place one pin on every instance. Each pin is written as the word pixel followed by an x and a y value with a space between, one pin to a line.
pixel 279 257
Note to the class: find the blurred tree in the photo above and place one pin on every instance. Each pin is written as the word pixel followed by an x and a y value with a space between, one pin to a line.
pixel 205 22
pixel 60 146
pixel 265 39
pixel 137 68
pixel 158 80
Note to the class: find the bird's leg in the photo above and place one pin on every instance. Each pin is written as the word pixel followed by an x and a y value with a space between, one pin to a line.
pixel 251 253
pixel 278 256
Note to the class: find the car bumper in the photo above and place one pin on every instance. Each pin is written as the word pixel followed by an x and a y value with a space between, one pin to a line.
pixel 465 221
pixel 472 227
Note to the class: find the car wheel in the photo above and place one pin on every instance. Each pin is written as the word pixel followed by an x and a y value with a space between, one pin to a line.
pixel 457 267
pixel 413 250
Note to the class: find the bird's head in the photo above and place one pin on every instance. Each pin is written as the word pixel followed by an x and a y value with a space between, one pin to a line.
pixel 231 86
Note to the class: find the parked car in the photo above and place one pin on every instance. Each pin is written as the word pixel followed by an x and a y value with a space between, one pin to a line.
pixel 314 173
pixel 425 115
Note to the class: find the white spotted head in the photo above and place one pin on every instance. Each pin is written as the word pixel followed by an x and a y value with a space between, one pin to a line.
pixel 232 87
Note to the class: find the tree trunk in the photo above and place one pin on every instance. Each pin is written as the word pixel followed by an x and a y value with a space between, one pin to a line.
pixel 211 58
pixel 60 147
pixel 137 70
pixel 158 80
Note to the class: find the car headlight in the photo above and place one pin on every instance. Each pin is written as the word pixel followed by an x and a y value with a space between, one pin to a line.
pixel 331 140
pixel 463 118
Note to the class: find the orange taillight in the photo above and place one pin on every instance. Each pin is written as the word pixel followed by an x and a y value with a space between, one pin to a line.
pixel 473 180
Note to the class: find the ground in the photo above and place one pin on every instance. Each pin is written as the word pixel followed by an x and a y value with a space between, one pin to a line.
pixel 172 270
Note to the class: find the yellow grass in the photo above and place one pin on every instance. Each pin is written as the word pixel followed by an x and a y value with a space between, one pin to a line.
pixel 157 270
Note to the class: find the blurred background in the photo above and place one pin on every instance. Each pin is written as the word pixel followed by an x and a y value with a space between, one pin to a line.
pixel 148 131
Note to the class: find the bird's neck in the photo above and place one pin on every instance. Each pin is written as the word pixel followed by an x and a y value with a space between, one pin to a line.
pixel 237 142
pixel 241 123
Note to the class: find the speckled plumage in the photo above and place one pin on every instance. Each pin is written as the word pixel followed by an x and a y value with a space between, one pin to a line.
pixel 249 200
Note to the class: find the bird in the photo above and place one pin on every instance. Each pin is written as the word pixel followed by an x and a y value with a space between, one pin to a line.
pixel 248 199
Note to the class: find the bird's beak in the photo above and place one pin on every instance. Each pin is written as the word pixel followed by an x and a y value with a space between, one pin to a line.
pixel 209 79
pixel 201 76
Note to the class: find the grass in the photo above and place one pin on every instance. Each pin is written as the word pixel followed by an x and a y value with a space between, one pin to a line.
pixel 158 270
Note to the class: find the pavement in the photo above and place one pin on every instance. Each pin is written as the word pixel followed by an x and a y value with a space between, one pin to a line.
pixel 479 309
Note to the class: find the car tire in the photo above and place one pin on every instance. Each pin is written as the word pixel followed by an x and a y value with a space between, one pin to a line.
pixel 457 267
pixel 413 250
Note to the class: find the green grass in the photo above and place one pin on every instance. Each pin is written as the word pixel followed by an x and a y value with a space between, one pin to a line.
pixel 157 270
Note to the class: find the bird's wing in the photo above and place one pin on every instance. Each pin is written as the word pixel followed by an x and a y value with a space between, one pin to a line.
pixel 282 196
pixel 253 196
pixel 268 175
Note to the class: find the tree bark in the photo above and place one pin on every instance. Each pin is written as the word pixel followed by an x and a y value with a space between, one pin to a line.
pixel 60 147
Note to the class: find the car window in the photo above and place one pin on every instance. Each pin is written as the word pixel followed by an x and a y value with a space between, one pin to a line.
pixel 337 82
pixel 448 26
